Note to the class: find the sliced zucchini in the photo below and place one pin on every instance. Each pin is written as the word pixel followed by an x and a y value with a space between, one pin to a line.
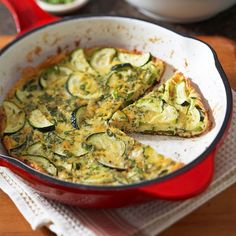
pixel 84 86
pixel 106 159
pixel 67 149
pixel 21 95
pixel 40 163
pixel 152 71
pixel 14 142
pixel 59 150
pixel 119 80
pixel 100 178
pixel 125 84
pixel 109 151
pixel 107 141
pixel 136 60
pixel 78 116
pixel 79 60
pixel 39 121
pixel 16 151
pixel 119 116
pixel 123 66
pixel 181 94
pixel 55 76
pixel 151 104
pixel 63 129
pixel 48 75
pixel 165 91
pixel 102 59
pixel 65 70
pixel 36 149
pixel 31 86
pixel 43 82
pixel 194 119
pixel 15 117
pixel 167 116
pixel 60 161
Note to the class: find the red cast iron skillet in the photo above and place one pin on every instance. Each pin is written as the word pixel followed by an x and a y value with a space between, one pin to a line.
pixel 182 184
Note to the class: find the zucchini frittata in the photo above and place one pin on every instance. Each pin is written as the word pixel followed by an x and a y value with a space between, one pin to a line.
pixel 174 108
pixel 65 118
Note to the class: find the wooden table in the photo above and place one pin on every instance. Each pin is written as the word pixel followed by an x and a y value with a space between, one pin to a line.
pixel 215 218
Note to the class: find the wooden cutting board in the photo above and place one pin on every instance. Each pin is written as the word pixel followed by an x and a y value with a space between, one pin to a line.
pixel 217 217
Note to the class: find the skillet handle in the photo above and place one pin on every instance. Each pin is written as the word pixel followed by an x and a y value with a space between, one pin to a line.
pixel 185 185
pixel 27 14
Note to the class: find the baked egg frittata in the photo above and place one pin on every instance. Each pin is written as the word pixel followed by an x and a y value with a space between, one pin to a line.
pixel 65 119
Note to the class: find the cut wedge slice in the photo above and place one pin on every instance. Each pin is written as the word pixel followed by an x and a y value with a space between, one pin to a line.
pixel 175 108
pixel 114 150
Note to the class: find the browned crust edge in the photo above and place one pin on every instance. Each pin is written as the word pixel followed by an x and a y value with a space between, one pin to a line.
pixel 178 76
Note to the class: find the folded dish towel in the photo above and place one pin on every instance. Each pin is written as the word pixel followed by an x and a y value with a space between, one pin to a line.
pixel 147 219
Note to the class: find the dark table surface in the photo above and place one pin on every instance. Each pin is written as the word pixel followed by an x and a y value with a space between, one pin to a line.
pixel 223 24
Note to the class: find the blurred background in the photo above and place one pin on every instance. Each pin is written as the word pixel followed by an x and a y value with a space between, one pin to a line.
pixel 223 24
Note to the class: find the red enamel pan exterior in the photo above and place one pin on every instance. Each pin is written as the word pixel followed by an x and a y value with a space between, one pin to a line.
pixel 184 183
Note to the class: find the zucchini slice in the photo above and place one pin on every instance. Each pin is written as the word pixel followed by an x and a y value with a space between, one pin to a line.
pixel 67 150
pixel 152 71
pixel 40 163
pixel 43 82
pixel 48 75
pixel 79 60
pixel 84 86
pixel 78 116
pixel 60 161
pixel 122 66
pixel 65 70
pixel 106 159
pixel 194 119
pixel 181 94
pixel 39 121
pixel 136 60
pixel 169 115
pixel 109 151
pixel 55 76
pixel 120 116
pixel 36 149
pixel 21 95
pixel 15 117
pixel 98 179
pixel 102 59
pixel 14 142
pixel 151 103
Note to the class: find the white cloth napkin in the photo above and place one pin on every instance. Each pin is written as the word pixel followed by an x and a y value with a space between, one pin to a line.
pixel 147 219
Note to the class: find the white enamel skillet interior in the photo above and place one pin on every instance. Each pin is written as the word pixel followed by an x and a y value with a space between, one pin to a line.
pixel 190 56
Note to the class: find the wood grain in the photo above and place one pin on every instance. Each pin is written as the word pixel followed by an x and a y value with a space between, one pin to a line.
pixel 215 218
pixel 5 39
pixel 226 52
pixel 12 222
